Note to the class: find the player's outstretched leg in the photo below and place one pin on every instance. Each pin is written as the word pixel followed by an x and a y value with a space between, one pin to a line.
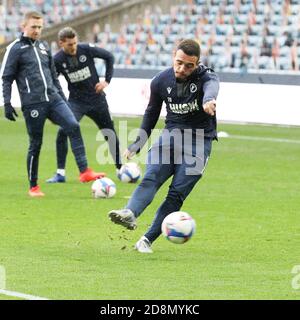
pixel 154 177
pixel 64 117
pixel 124 217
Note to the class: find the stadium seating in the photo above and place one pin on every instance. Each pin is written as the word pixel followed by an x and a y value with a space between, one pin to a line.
pixel 54 12
pixel 235 35
pixel 215 22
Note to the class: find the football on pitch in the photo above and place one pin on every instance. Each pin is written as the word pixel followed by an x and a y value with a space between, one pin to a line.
pixel 103 188
pixel 178 227
pixel 129 172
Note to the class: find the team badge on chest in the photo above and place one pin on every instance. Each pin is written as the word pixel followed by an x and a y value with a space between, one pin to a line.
pixel 193 87
pixel 82 58
pixel 42 47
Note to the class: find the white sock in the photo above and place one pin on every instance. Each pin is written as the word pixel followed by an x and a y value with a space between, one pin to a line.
pixel 62 172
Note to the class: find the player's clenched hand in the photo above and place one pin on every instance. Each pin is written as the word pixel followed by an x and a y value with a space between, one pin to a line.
pixel 210 107
pixel 128 154
pixel 100 86
pixel 10 112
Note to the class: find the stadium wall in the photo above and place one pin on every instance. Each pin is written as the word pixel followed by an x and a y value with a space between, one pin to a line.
pixel 238 101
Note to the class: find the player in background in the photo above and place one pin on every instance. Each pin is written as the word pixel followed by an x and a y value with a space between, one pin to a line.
pixel 189 90
pixel 29 62
pixel 75 61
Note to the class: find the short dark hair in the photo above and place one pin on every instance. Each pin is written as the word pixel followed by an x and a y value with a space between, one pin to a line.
pixel 67 33
pixel 32 15
pixel 189 47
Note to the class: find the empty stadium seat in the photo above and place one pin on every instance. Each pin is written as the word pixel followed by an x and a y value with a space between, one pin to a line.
pixel 213 22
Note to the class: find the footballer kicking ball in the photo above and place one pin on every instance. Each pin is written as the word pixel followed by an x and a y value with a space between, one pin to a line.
pixel 103 188
pixel 178 227
pixel 129 172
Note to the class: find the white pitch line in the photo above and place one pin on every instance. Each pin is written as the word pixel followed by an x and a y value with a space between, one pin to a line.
pixel 261 139
pixel 20 295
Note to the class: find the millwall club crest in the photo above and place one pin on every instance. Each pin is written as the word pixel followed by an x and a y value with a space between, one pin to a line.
pixel 82 58
pixel 193 87
pixel 42 47
pixel 34 113
pixel 169 89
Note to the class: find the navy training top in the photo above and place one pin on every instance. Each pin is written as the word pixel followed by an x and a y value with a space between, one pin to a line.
pixel 184 101
pixel 80 71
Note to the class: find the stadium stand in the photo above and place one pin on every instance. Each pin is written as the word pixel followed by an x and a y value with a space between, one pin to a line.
pixel 235 35
pixel 55 11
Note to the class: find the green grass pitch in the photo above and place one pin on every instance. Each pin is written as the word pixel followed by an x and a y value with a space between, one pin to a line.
pixel 246 208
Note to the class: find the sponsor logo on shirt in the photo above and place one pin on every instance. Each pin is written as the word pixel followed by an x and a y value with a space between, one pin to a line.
pixel 79 75
pixel 184 108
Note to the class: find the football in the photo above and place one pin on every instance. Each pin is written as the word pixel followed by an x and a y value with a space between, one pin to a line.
pixel 178 227
pixel 129 172
pixel 103 188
